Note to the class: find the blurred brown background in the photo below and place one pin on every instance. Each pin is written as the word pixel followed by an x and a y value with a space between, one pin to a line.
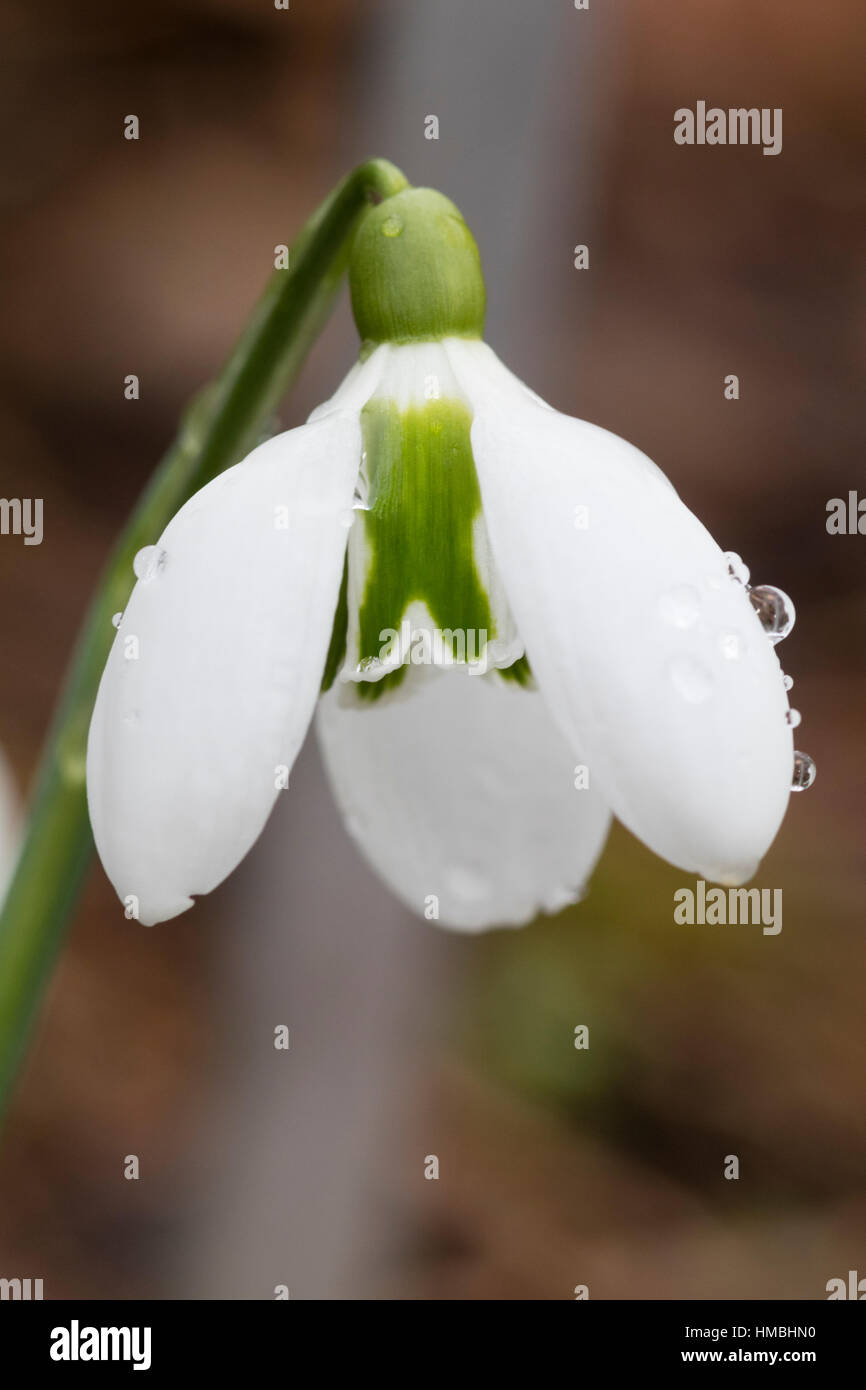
pixel 558 1167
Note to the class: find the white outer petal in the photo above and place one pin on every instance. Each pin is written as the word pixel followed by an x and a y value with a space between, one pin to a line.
pixel 703 777
pixel 357 386
pixel 233 632
pixel 462 787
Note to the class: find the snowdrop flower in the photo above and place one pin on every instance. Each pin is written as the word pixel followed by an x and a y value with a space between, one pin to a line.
pixel 510 624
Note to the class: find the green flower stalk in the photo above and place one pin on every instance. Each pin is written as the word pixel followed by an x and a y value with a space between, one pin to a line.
pixel 220 427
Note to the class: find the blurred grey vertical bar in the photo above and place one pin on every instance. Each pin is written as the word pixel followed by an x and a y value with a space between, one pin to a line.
pixel 314 940
pixel 515 85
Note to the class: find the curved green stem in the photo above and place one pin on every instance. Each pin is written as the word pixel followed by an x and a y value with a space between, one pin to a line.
pixel 223 423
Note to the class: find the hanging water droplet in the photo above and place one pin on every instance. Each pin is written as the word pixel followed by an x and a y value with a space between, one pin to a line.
pixel 774 609
pixel 691 680
pixel 347 519
pixel 558 898
pixel 368 666
pixel 148 563
pixel 788 682
pixel 737 569
pixel 732 645
pixel 793 717
pixel 117 619
pixel 680 606
pixel 805 772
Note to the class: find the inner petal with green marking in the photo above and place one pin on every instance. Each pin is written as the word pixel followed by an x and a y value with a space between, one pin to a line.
pixel 422 587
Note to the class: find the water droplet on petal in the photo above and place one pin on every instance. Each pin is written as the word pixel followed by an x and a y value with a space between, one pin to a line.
pixel 680 606
pixel 805 772
pixel 691 680
pixel 788 682
pixel 148 563
pixel 774 609
pixel 466 885
pixel 737 569
pixel 732 645
pixel 392 226
pixel 117 619
pixel 793 717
